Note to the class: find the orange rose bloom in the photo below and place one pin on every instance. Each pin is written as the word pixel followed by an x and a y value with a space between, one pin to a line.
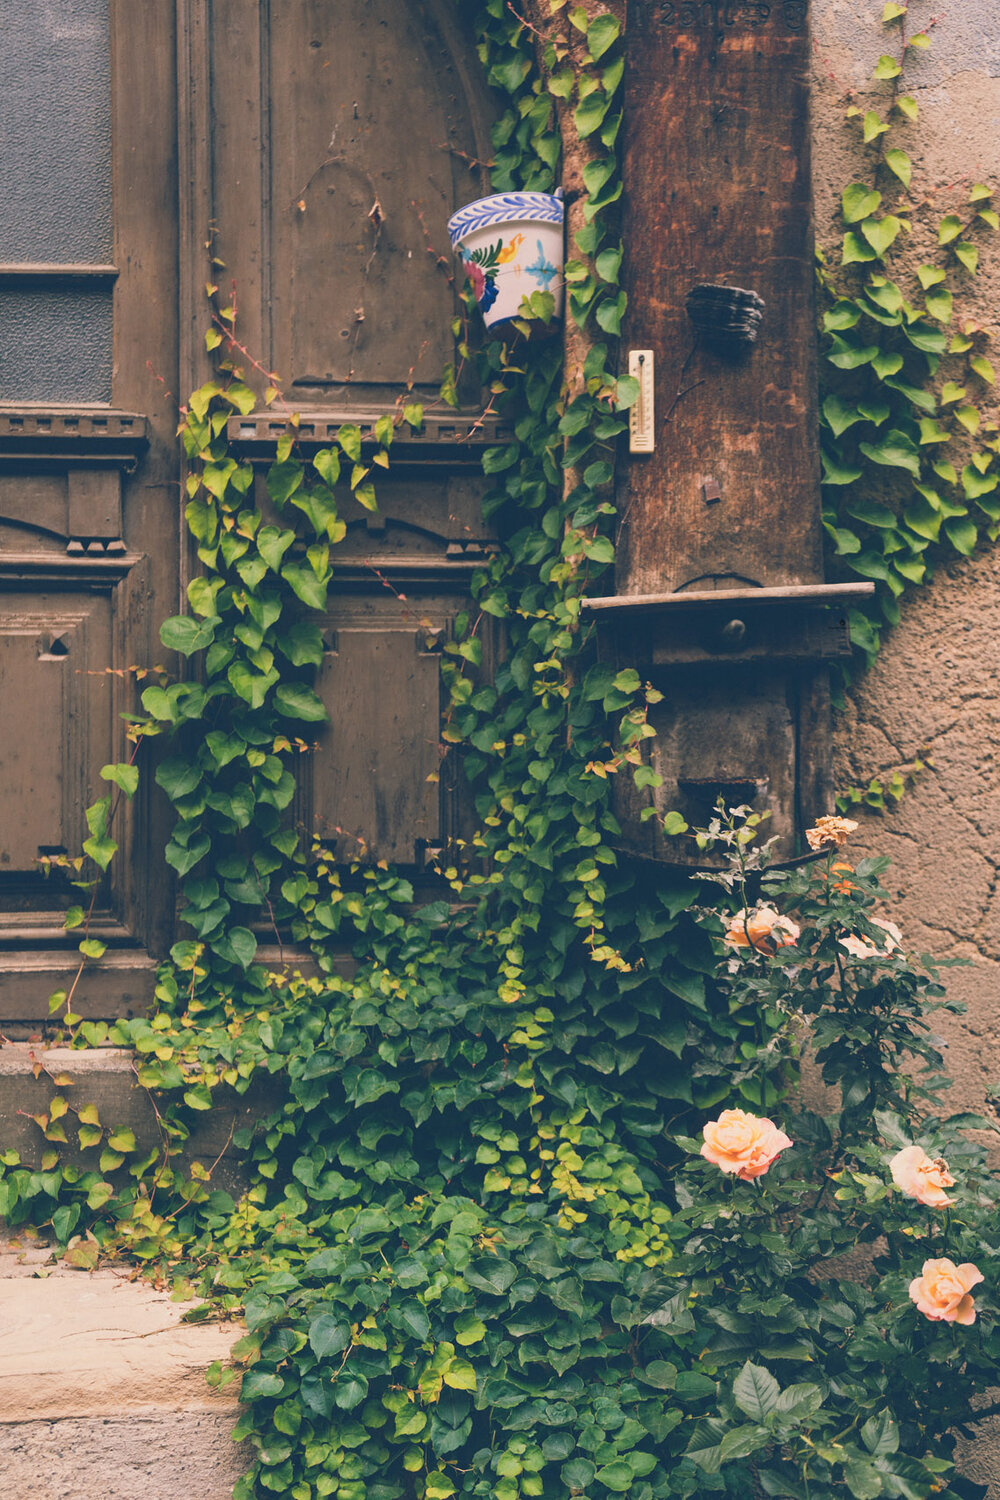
pixel 941 1291
pixel 764 929
pixel 742 1143
pixel 843 885
pixel 830 833
pixel 921 1177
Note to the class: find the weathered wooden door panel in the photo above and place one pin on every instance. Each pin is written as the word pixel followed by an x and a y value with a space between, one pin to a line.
pixel 343 137
pixel 375 780
pixel 88 488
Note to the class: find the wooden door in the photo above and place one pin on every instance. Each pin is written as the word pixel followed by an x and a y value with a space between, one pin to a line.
pixel 317 147
pixel 88 474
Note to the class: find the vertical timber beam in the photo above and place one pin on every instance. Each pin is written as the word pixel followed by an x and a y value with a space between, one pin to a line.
pixel 717 190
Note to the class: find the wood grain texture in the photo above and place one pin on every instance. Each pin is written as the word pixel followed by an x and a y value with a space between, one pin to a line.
pixel 717 190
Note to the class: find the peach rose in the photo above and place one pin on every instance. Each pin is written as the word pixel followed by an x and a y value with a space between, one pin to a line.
pixel 764 929
pixel 830 833
pixel 842 884
pixel 859 947
pixel 742 1143
pixel 941 1291
pixel 922 1177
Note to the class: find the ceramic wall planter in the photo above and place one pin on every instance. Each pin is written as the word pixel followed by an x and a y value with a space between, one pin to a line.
pixel 510 245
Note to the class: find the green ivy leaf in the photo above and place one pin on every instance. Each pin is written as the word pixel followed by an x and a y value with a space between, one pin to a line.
pixel 899 163
pixel 880 233
pixel 859 201
pixel 968 255
pixel 887 67
pixel 895 450
pixel 304 583
pixel 962 534
pixel 123 776
pixel 298 702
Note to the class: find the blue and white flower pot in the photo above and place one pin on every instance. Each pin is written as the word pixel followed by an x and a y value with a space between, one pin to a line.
pixel 510 245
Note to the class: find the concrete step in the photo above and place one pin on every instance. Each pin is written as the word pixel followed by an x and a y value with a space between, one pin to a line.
pixel 102 1388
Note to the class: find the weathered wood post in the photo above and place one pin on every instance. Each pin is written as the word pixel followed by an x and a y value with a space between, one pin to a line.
pixel 719 590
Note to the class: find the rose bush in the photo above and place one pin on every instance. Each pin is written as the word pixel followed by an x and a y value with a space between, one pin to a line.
pixel 815 1323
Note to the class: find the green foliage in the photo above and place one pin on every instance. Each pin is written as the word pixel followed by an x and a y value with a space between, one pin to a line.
pixel 907 410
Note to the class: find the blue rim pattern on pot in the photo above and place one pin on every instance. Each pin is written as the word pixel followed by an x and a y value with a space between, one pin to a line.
pixel 503 208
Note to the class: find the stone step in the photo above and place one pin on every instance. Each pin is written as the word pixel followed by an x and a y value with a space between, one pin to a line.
pixel 102 1388
pixel 105 1077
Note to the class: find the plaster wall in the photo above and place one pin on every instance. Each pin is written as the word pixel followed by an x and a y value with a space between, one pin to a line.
pixel 935 688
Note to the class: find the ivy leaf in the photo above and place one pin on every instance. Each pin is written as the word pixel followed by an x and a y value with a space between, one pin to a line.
pixel 124 776
pixel 983 368
pixel 835 471
pixel 855 250
pixel 873 127
pixel 349 438
pixel 887 67
pixel 297 702
pixel 848 356
pixel 283 480
pixel 577 1474
pixel 259 1383
pixel 602 33
pixel 590 112
pixel 949 229
pixel 962 534
pixel 896 451
pixel 184 857
pixel 907 106
pixel 186 635
pixel 939 305
pixel 238 946
pixel 975 484
pixel 842 314
pixel 303 645
pixel 272 544
pixel 859 201
pixel 871 513
pixel 840 414
pixel 898 162
pixel 968 255
pixel 886 362
pixel 880 233
pixel 304 583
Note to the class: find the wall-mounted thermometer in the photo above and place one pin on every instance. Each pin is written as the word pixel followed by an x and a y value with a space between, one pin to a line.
pixel 641 437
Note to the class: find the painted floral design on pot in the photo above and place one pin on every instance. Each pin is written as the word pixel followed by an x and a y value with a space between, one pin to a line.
pixel 510 245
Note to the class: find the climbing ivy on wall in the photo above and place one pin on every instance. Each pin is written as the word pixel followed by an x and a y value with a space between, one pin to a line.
pixel 910 435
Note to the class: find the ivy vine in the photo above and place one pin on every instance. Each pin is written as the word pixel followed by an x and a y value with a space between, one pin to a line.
pixel 910 435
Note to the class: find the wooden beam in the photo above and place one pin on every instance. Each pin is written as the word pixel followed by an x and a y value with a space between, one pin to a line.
pixel 717 190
